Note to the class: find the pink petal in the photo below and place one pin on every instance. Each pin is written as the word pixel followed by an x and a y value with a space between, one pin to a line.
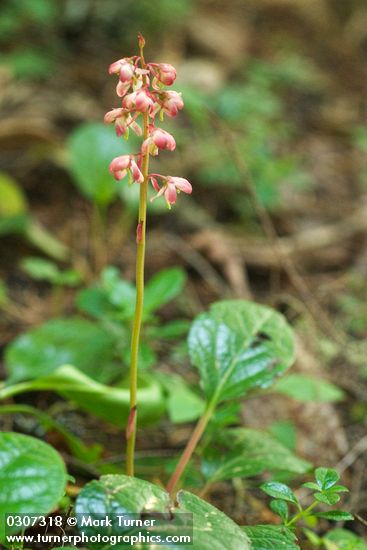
pixel 170 193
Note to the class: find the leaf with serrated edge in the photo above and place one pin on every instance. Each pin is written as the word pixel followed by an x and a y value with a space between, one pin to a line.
pixel 271 537
pixel 239 346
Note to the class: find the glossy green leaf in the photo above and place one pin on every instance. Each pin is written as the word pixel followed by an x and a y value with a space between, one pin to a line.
pixel 239 346
pixel 91 148
pixel 163 287
pixel 58 342
pixel 326 477
pixel 120 494
pixel 250 453
pixel 335 515
pixel 327 498
pixel 279 491
pixel 306 388
pixel 345 540
pixel 280 507
pixel 32 476
pixel 110 403
pixel 271 537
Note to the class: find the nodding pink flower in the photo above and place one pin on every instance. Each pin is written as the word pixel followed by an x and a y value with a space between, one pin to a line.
pixel 158 139
pixel 164 72
pixel 122 88
pixel 171 102
pixel 126 165
pixel 171 186
pixel 124 68
pixel 140 101
pixel 123 120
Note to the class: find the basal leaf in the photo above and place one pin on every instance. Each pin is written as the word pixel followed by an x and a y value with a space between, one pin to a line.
pixel 251 452
pixel 306 388
pixel 91 148
pixel 271 537
pixel 58 342
pixel 110 403
pixel 239 346
pixel 32 476
pixel 163 287
pixel 118 494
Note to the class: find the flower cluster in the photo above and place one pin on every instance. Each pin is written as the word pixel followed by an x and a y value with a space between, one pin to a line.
pixel 143 96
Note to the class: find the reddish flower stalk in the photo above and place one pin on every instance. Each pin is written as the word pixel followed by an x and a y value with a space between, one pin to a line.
pixel 141 87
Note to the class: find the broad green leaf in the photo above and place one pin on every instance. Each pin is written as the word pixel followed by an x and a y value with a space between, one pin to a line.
pixel 239 346
pixel 118 494
pixel 335 515
pixel 91 148
pixel 306 388
pixel 279 491
pixel 271 537
pixel 280 507
pixel 285 432
pixel 326 477
pixel 213 530
pixel 41 269
pixel 250 453
pixel 58 342
pixel 183 404
pixel 163 287
pixel 345 540
pixel 32 476
pixel 110 403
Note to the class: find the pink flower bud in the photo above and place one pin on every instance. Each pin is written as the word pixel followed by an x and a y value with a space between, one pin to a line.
pixel 166 73
pixel 126 72
pixel 171 102
pixel 163 140
pixel 123 65
pixel 139 100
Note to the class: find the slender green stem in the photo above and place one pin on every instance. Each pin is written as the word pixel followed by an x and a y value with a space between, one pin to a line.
pixel 191 446
pixel 302 514
pixel 135 337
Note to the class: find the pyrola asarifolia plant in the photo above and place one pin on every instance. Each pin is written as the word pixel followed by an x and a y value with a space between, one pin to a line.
pixel 141 86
